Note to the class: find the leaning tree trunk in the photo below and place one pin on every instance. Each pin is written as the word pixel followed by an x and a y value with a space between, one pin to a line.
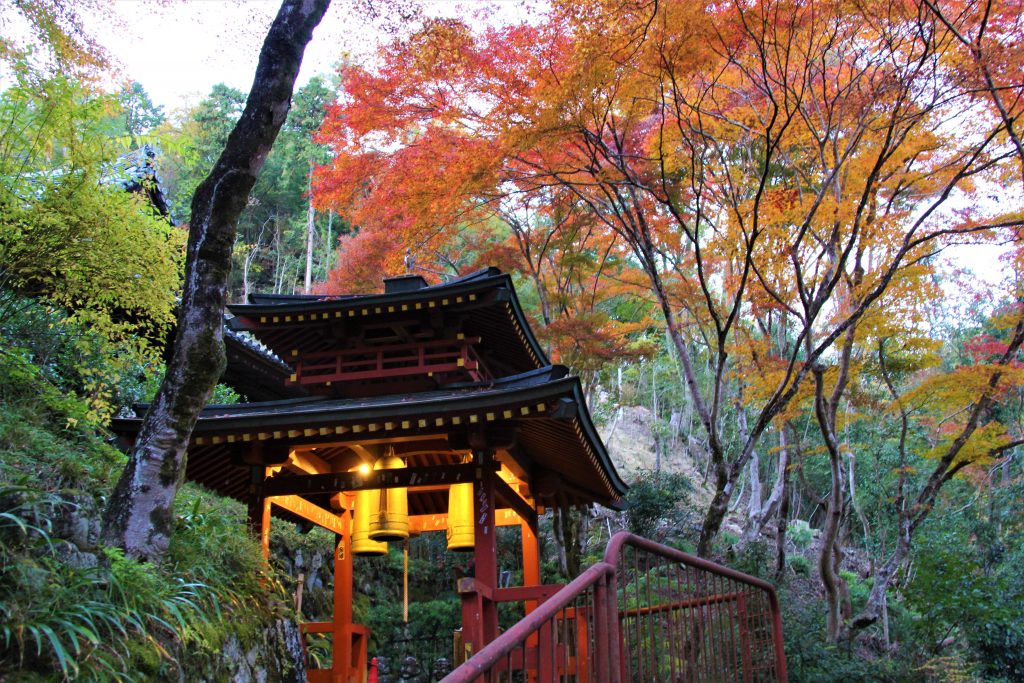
pixel 139 517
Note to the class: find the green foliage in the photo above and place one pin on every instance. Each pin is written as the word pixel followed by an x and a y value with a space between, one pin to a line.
pixel 211 544
pixel 754 558
pixel 195 144
pixel 67 232
pixel 657 504
pixel 138 113
pixel 85 621
pixel 72 610
pixel 967 590
pixel 269 254
pixel 800 533
pixel 811 659
pixel 45 432
pixel 75 358
pixel 799 564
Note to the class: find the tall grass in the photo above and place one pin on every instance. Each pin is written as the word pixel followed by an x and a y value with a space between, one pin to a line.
pixel 116 620
pixel 89 622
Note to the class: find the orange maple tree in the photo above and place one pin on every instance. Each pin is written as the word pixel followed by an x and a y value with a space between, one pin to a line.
pixel 773 169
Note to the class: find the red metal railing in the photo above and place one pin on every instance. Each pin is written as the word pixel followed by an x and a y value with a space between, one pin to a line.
pixel 646 613
pixel 683 618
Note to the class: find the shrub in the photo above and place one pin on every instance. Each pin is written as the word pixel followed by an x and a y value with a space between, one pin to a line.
pixel 800 533
pixel 657 505
pixel 799 564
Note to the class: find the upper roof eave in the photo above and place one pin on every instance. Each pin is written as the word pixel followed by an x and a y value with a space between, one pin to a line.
pixel 487 278
pixel 298 303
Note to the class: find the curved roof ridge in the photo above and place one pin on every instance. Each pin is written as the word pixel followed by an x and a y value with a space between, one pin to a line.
pixel 273 298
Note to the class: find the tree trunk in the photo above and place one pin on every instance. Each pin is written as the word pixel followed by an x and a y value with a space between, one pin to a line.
pixel 782 524
pixel 876 601
pixel 310 233
pixel 828 556
pixel 911 516
pixel 761 514
pixel 754 504
pixel 568 526
pixel 139 516
pixel 278 260
pixel 329 244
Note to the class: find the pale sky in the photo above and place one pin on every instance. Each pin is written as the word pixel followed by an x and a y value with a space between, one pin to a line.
pixel 179 50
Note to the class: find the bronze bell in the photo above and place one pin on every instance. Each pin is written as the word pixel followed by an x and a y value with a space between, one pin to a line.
pixel 460 517
pixel 365 506
pixel 389 517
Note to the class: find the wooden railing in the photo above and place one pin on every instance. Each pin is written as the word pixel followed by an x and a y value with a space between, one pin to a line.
pixel 436 357
pixel 357 668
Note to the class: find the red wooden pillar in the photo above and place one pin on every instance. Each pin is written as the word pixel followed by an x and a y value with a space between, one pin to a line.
pixel 531 577
pixel 341 639
pixel 479 613
pixel 531 561
pixel 259 509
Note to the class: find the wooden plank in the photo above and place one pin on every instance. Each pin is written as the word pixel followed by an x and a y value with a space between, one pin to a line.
pixel 523 593
pixel 310 512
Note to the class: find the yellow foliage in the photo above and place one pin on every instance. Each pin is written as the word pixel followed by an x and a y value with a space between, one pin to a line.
pixel 978 447
pixel 949 393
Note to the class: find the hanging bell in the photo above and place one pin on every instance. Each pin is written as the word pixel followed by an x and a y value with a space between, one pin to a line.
pixel 390 520
pixel 365 505
pixel 460 517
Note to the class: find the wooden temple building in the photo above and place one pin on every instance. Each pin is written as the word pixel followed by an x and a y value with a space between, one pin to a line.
pixel 425 408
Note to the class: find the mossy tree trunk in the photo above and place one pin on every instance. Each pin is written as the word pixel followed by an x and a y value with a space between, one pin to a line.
pixel 139 515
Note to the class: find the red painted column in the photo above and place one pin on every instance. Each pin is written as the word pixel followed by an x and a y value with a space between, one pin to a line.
pixel 479 614
pixel 341 641
pixel 531 561
pixel 486 534
pixel 531 577
pixel 259 509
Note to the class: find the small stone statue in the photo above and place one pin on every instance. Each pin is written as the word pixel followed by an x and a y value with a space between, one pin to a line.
pixel 442 667
pixel 410 672
pixel 384 671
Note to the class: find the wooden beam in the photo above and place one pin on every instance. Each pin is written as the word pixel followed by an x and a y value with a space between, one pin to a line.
pixel 531 593
pixel 516 460
pixel 303 441
pixel 378 479
pixel 304 462
pixel 510 497
pixel 310 512
pixel 439 522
